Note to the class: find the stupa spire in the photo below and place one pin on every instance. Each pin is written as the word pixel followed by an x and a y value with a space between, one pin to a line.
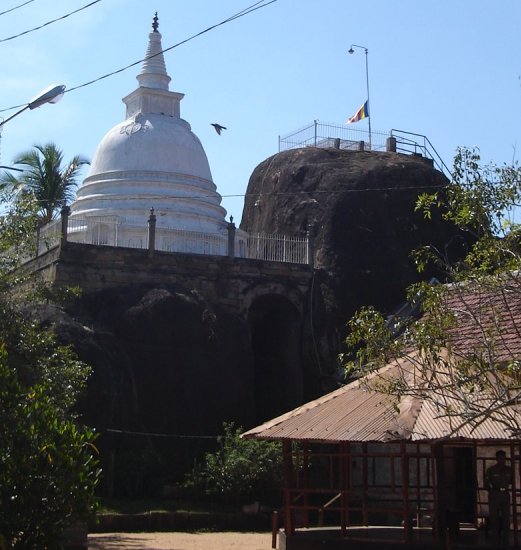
pixel 153 71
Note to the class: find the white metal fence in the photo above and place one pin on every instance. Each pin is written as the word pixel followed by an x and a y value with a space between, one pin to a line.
pixel 110 231
pixel 327 135
pixel 278 248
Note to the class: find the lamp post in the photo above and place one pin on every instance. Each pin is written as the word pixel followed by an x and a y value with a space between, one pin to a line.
pixel 52 94
pixel 351 51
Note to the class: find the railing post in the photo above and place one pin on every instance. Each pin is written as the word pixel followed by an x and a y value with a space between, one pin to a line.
pixel 231 238
pixel 65 212
pixel 151 232
pixel 310 234
pixel 390 144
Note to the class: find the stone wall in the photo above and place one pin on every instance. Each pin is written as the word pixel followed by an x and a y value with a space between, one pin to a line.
pixel 235 282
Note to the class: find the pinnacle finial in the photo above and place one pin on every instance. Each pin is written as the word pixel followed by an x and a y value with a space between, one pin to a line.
pixel 155 23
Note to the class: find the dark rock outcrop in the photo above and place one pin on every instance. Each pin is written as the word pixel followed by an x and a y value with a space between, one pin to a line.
pixel 360 208
pixel 165 363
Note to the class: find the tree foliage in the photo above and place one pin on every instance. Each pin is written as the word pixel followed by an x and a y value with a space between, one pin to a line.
pixel 240 470
pixel 457 342
pixel 48 465
pixel 44 177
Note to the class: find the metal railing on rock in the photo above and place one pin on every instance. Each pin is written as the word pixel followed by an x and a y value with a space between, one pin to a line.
pixel 278 248
pixel 326 135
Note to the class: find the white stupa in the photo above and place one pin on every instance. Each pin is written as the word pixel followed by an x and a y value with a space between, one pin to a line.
pixel 152 160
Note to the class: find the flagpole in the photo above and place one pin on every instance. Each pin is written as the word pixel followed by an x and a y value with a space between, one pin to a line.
pixel 366 80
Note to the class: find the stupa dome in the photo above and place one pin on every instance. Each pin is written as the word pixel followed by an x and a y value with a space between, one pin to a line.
pixel 151 140
pixel 151 160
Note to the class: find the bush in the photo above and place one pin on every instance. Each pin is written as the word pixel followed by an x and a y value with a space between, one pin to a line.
pixel 48 472
pixel 240 470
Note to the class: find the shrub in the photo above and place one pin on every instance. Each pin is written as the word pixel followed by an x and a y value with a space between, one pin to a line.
pixel 240 470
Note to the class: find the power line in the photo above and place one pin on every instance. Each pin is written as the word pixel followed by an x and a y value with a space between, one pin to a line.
pixel 242 13
pixel 151 434
pixel 246 11
pixel 279 193
pixel 16 7
pixel 49 22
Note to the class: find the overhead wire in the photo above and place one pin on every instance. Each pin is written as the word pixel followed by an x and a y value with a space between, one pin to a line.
pixel 242 13
pixel 152 434
pixel 16 7
pixel 49 22
pixel 246 11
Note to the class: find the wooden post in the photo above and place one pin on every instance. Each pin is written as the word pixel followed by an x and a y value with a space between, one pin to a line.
pixel 365 458
pixel 274 528
pixel 289 526
pixel 407 523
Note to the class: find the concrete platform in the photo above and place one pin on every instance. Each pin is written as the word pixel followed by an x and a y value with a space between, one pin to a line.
pixel 390 538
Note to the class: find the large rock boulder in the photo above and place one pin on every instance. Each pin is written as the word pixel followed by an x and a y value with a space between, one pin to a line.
pixel 359 206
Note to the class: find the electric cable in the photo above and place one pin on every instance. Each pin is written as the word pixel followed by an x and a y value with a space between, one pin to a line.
pixel 16 7
pixel 242 13
pixel 150 434
pixel 48 22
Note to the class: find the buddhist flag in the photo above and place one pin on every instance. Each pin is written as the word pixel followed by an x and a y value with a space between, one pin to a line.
pixel 363 112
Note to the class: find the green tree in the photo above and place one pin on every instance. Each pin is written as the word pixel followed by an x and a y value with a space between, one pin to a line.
pixel 48 469
pixel 459 352
pixel 45 178
pixel 240 470
pixel 48 465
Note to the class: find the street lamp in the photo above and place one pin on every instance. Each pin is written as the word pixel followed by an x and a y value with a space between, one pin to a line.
pixel 52 94
pixel 351 51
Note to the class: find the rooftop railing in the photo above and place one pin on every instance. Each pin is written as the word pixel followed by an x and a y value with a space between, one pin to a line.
pixel 326 135
pixel 348 137
pixel 112 231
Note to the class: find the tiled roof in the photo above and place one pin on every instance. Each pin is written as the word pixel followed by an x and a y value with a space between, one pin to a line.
pixel 358 413
pixel 488 313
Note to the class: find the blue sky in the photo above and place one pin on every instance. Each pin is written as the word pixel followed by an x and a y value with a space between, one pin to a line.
pixel 447 69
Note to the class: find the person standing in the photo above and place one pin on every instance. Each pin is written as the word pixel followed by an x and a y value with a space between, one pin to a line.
pixel 498 479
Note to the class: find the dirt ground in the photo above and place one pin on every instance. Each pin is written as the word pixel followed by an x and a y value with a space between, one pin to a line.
pixel 180 541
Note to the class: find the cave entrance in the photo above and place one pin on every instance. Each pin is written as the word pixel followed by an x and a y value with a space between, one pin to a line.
pixel 275 336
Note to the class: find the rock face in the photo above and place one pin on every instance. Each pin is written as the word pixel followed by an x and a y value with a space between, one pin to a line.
pixel 164 362
pixel 359 206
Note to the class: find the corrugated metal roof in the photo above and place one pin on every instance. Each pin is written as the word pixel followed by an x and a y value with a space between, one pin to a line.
pixel 487 314
pixel 358 413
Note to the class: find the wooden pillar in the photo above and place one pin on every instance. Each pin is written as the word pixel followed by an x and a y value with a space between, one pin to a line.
pixel 344 475
pixel 440 504
pixel 407 520
pixel 514 464
pixel 365 519
pixel 306 484
pixel 289 526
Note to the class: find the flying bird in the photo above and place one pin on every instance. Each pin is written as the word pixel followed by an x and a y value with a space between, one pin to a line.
pixel 218 128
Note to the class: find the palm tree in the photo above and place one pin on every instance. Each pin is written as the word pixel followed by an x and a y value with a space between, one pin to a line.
pixel 43 176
